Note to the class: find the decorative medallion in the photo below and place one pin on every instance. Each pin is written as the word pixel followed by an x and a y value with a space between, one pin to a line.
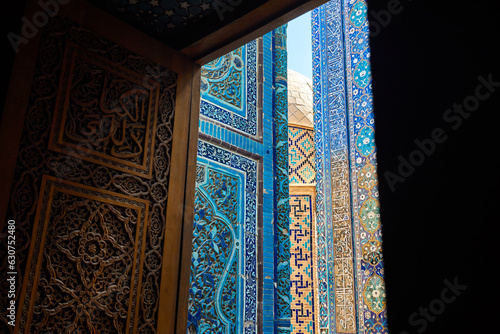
pixel 367 177
pixel 362 74
pixel 87 272
pixel 370 215
pixel 358 14
pixel 374 294
pixel 365 142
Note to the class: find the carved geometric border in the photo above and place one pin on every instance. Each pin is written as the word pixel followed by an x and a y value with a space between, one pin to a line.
pixel 57 142
pixel 50 185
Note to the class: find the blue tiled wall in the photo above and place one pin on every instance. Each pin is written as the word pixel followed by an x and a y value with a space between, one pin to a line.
pixel 237 198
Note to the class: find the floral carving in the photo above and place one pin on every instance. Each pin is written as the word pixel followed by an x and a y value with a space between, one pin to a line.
pixel 107 140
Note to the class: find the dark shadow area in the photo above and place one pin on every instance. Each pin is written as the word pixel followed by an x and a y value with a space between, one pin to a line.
pixel 12 12
pixel 440 210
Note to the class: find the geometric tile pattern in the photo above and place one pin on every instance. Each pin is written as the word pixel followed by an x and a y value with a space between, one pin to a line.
pixel 301 155
pixel 302 178
pixel 346 165
pixel 301 278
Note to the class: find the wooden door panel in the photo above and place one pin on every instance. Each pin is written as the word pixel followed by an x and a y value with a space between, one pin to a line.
pixel 85 261
pixel 98 232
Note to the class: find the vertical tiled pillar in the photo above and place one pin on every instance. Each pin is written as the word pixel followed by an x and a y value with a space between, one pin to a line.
pixel 282 218
pixel 350 264
pixel 268 261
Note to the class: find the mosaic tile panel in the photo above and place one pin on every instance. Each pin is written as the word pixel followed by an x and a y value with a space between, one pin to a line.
pixel 301 155
pixel 223 291
pixel 346 160
pixel 303 249
pixel 322 165
pixel 229 90
pixel 302 264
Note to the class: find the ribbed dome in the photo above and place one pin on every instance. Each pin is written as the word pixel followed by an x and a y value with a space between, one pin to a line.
pixel 300 99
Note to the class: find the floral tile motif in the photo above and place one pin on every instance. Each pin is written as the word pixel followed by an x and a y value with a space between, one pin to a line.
pixel 282 215
pixel 374 294
pixel 223 265
pixel 229 90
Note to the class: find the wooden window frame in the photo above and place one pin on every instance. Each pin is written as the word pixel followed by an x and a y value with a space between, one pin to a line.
pixel 186 63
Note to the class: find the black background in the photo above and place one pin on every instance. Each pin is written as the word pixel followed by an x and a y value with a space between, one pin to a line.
pixel 10 14
pixel 442 221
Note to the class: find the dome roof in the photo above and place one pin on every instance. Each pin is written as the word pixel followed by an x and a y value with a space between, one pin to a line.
pixel 300 99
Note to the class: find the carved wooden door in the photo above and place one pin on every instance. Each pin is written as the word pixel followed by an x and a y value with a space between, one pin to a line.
pixel 99 185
